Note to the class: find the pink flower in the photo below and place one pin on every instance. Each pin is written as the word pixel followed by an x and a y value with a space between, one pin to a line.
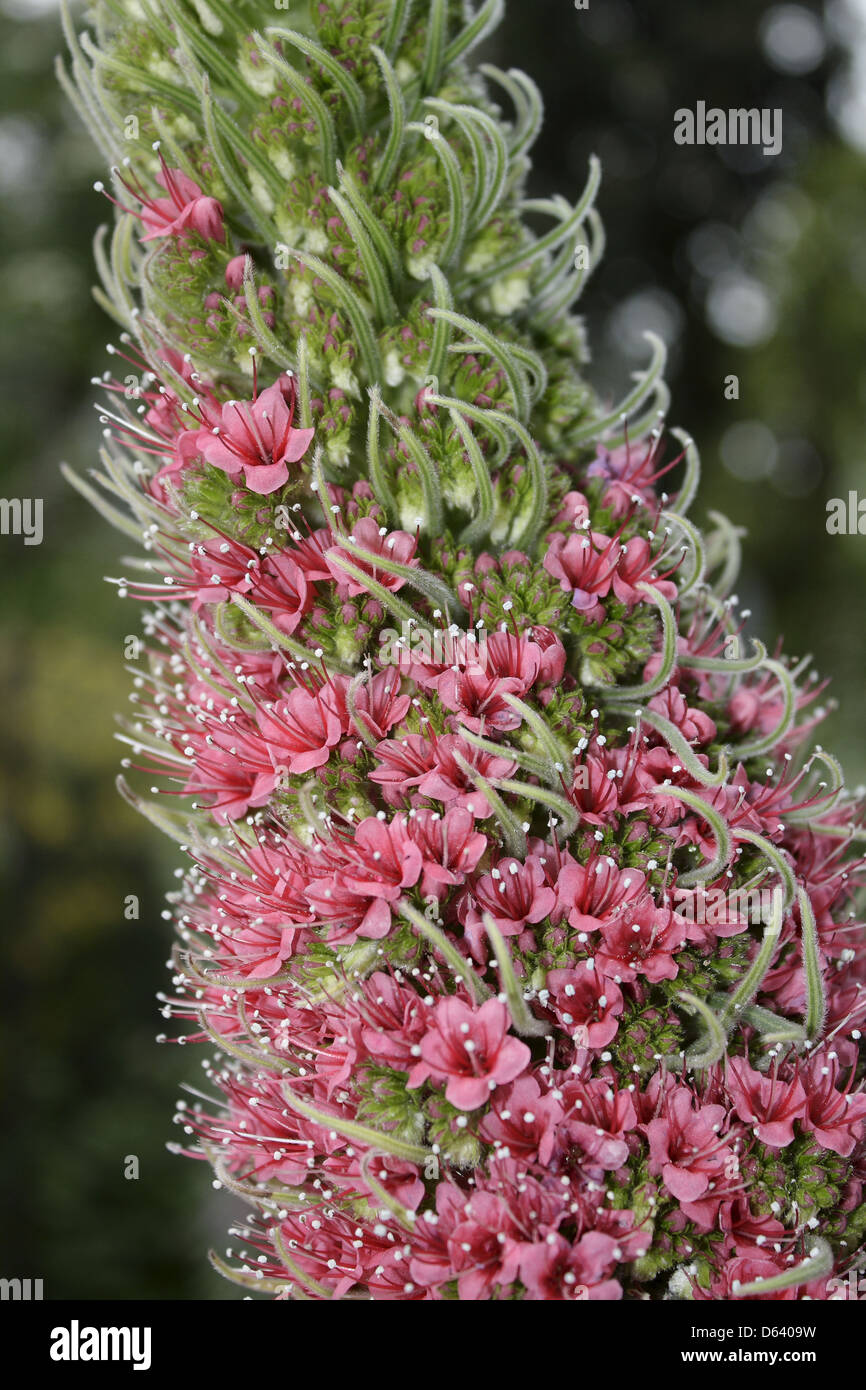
pixel 450 846
pixel 517 658
pixel 218 568
pixel 523 1120
pixel 636 564
pixel 558 1270
pixel 230 762
pixel 266 888
pixel 586 1004
pixel 471 1050
pixel 477 699
pixel 596 892
pixel 767 1103
pixel 748 1269
pixel 748 1231
pixel 400 1180
pixel 309 553
pixel 395 1020
pixel 598 1117
pixel 584 564
pixel 403 764
pixel 483 1247
pixel 574 510
pixel 686 1147
pixel 339 1061
pixel 594 793
pixel 279 585
pixel 835 1117
pixel 223 566
pixel 510 666
pixel 301 729
pixel 393 545
pixel 553 656
pixel 377 700
pixel 185 209
pixel 629 474
pixel 512 893
pixel 642 941
pixel 235 272
pixel 256 438
pixel 369 874
pixel 693 724
pixel 448 781
pixel 431 766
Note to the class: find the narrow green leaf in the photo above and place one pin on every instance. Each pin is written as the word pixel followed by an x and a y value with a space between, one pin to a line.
pixel 351 93
pixel 816 999
pixel 386 165
pixel 461 967
pixel 351 1129
pixel 524 1021
pixel 457 205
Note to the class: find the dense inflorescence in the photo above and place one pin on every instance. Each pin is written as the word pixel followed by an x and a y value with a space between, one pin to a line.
pixel 518 916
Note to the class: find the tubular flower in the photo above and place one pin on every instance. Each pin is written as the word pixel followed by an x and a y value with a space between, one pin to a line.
pixel 185 208
pixel 255 439
pixel 519 918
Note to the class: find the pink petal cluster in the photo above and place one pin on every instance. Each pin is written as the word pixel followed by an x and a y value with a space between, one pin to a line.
pixel 185 208
pixel 485 1015
pixel 350 961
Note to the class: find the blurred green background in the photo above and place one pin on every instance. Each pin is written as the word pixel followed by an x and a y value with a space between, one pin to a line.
pixel 746 265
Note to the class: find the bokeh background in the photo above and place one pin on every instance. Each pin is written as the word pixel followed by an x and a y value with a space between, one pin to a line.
pixel 745 265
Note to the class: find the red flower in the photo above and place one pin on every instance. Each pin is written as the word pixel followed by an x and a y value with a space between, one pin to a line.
pixel 185 209
pixel 471 1050
pixel 301 729
pixel 767 1103
pixel 834 1117
pixel 377 540
pixel 560 1271
pixel 687 1150
pixel 586 1004
pixel 584 564
pixel 256 438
